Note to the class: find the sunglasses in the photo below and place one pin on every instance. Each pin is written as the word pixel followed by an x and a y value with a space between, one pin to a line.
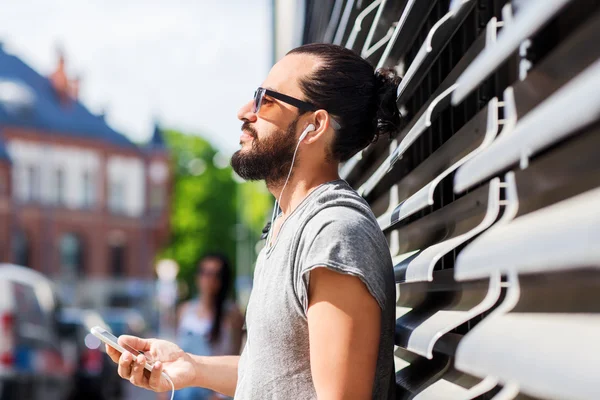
pixel 303 106
pixel 209 274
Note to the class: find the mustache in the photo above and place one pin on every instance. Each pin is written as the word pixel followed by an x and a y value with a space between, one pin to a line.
pixel 246 127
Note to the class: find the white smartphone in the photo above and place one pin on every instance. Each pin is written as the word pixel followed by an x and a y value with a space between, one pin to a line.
pixel 111 340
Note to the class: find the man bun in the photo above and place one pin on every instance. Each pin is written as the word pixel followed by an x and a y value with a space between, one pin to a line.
pixel 361 99
pixel 387 116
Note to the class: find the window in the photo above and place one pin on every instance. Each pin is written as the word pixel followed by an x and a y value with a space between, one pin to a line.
pixel 117 260
pixel 89 192
pixel 71 255
pixel 32 192
pixel 29 312
pixel 116 200
pixel 60 187
pixel 157 197
pixel 20 249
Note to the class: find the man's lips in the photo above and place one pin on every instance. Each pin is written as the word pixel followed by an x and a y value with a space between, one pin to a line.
pixel 244 137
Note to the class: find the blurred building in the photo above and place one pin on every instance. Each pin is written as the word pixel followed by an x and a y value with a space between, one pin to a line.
pixel 78 201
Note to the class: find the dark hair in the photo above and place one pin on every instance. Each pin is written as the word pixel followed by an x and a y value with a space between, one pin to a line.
pixel 225 279
pixel 361 99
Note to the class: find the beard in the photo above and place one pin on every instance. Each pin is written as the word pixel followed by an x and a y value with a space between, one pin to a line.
pixel 268 159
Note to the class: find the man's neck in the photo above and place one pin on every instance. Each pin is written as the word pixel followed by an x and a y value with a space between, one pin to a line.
pixel 301 183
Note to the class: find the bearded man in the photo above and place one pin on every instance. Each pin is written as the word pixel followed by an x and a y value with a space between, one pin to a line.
pixel 320 318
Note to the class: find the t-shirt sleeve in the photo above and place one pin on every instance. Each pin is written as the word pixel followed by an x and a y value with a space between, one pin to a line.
pixel 347 241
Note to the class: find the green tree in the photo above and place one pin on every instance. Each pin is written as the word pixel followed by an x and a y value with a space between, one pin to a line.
pixel 203 209
pixel 209 205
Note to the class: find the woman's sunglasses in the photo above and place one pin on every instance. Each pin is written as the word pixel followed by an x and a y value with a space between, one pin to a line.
pixel 209 274
pixel 303 106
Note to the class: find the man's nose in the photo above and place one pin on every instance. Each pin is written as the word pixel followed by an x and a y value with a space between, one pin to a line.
pixel 245 113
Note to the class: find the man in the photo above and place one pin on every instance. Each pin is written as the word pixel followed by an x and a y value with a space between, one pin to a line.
pixel 321 315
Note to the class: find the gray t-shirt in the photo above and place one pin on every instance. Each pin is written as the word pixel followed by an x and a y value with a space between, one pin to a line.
pixel 333 227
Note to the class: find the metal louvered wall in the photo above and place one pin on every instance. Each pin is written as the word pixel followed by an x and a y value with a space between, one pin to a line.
pixel 490 194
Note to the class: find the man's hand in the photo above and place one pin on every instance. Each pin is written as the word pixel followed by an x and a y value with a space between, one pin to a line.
pixel 166 356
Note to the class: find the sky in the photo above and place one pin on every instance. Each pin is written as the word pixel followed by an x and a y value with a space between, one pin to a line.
pixel 188 64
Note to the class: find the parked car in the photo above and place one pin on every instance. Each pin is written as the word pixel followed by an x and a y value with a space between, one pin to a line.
pixel 32 364
pixel 95 375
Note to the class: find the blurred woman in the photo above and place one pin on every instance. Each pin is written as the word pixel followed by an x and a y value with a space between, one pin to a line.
pixel 210 324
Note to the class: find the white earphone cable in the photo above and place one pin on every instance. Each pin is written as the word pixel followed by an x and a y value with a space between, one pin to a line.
pixel 172 384
pixel 284 185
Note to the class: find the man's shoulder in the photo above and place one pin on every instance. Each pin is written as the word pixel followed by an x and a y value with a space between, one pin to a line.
pixel 342 210
pixel 338 199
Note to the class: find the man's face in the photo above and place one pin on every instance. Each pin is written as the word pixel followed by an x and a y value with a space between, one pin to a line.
pixel 269 137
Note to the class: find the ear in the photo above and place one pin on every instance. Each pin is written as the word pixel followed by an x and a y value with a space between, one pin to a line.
pixel 322 122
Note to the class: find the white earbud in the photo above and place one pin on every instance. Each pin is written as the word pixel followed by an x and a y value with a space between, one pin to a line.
pixel 309 128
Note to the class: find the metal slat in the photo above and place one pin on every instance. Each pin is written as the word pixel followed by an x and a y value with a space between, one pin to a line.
pixel 436 308
pixel 357 28
pixel 566 61
pixel 438 101
pixel 532 17
pixel 562 173
pixel 336 14
pixel 421 124
pixel 411 20
pixel 469 141
pixel 420 267
pixel 341 29
pixel 417 373
pixel 559 237
pixel 436 40
pixel 382 28
pixel 570 108
pixel 456 218
pixel 551 355
pixel 455 385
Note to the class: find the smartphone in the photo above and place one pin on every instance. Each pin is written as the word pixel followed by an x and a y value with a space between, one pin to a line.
pixel 111 340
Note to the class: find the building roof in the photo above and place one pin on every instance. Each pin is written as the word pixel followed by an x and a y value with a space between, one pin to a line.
pixel 157 142
pixel 28 99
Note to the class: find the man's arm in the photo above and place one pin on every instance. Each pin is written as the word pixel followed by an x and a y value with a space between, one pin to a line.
pixel 217 373
pixel 344 330
pixel 184 369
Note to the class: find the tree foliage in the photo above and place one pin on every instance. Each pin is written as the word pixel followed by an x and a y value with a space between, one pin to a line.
pixel 203 214
pixel 204 207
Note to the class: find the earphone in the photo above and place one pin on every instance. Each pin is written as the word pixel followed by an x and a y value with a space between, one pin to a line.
pixel 307 130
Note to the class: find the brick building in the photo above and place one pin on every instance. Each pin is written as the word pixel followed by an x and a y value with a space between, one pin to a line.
pixel 78 200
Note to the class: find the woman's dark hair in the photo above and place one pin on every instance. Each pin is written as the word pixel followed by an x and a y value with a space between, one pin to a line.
pixel 361 99
pixel 225 279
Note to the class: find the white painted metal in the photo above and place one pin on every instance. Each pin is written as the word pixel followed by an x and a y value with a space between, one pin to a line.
pixel 570 108
pixel 422 123
pixel 427 48
pixel 424 197
pixel 339 34
pixel 371 34
pixel 446 390
pixel 550 356
pixel 420 268
pixel 424 337
pixel 531 17
pixel 403 18
pixel 559 237
pixel 358 22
